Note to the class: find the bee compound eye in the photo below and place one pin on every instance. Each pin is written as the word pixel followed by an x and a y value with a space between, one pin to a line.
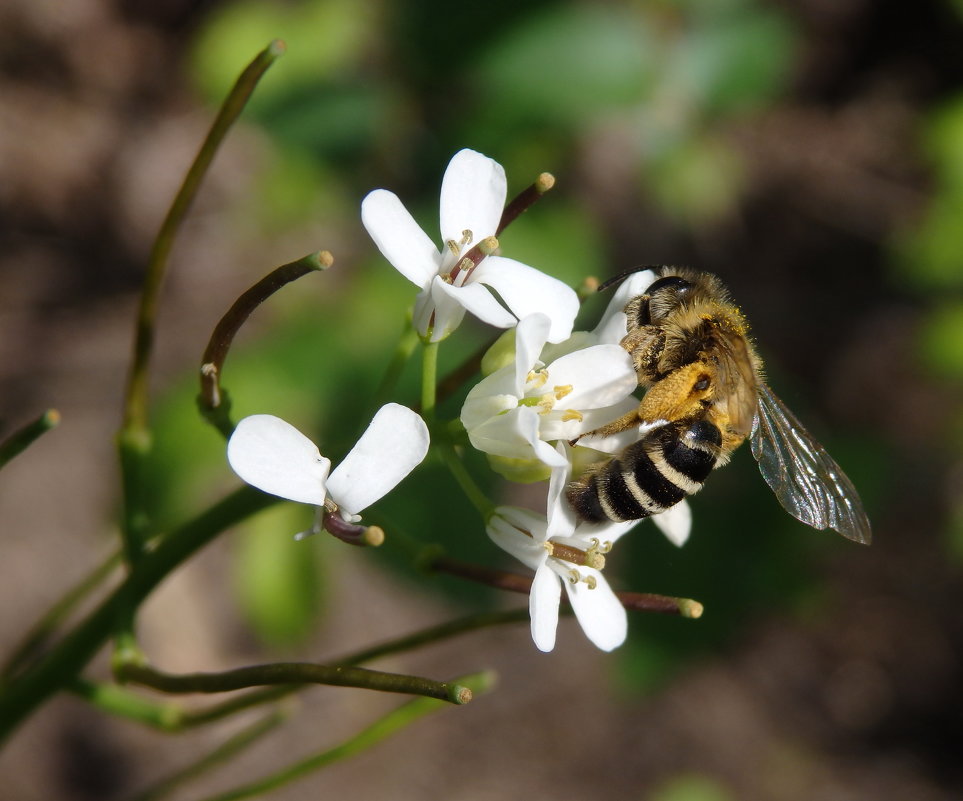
pixel 702 384
pixel 670 282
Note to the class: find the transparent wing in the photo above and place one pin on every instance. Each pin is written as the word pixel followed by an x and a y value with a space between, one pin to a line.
pixel 738 376
pixel 805 479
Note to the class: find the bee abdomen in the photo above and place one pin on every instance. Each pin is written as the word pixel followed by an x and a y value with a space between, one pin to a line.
pixel 649 476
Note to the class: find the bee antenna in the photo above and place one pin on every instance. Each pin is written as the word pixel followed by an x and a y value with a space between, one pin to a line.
pixel 618 279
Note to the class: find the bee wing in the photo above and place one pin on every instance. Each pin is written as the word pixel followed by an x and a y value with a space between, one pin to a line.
pixel 805 479
pixel 738 376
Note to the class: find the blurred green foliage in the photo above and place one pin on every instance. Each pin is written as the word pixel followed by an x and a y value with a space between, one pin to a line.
pixel 691 787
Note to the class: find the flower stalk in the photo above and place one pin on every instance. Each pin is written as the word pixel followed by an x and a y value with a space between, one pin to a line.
pixel 134 438
pixel 213 401
pixel 24 437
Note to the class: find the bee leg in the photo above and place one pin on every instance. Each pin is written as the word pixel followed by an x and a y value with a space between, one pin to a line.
pixel 625 422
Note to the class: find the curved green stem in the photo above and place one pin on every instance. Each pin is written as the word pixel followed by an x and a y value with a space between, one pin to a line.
pixel 406 346
pixel 392 722
pixel 213 401
pixel 134 438
pixel 474 493
pixel 294 673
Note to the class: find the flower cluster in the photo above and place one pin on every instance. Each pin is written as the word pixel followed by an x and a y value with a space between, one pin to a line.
pixel 554 387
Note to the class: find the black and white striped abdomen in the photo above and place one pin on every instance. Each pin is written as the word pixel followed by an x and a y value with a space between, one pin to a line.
pixel 649 476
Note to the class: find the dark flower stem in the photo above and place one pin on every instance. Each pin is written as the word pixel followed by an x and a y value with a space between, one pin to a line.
pixel 514 582
pixel 524 200
pixel 294 673
pixel 212 401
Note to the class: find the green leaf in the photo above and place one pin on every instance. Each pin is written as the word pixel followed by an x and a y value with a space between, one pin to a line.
pixel 941 340
pixel 568 63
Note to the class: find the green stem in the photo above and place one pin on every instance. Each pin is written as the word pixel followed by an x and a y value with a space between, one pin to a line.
pixel 65 661
pixel 224 752
pixel 471 489
pixel 40 633
pixel 429 380
pixel 23 438
pixel 392 722
pixel 406 346
pixel 134 439
pixel 117 701
pixel 443 631
pixel 295 673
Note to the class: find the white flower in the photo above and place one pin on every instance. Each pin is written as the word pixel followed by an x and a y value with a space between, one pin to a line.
pixel 517 410
pixel 561 561
pixel 275 457
pixel 472 200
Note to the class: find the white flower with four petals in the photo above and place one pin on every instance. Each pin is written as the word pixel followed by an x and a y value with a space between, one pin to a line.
pixel 517 410
pixel 473 195
pixel 275 457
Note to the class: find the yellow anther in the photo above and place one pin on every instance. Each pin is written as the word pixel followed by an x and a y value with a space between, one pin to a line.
pixel 466 237
pixel 562 391
pixel 590 581
pixel 537 378
pixel 546 403
pixel 571 414
pixel 574 576
pixel 549 546
pixel 453 246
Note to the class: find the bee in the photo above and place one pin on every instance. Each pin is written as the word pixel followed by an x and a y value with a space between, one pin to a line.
pixel 705 395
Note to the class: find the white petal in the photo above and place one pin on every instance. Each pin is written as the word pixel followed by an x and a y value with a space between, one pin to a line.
pixel 599 376
pixel 526 290
pixel 530 335
pixel 561 517
pixel 614 443
pixel 443 312
pixel 476 299
pixel 515 436
pixel 543 604
pixel 472 196
pixel 593 419
pixel 612 330
pixel 675 522
pixel 608 531
pixel 506 529
pixel 599 611
pixel 394 444
pixel 274 456
pixel 399 238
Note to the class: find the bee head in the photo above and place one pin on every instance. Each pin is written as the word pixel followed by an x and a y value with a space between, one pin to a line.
pixel 662 298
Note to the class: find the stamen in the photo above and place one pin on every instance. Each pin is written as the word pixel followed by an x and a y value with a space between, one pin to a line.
pixel 590 581
pixel 466 237
pixel 574 576
pixel 453 246
pixel 571 414
pixel 546 403
pixel 537 378
pixel 472 258
pixel 526 198
pixel 576 556
pixel 562 390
